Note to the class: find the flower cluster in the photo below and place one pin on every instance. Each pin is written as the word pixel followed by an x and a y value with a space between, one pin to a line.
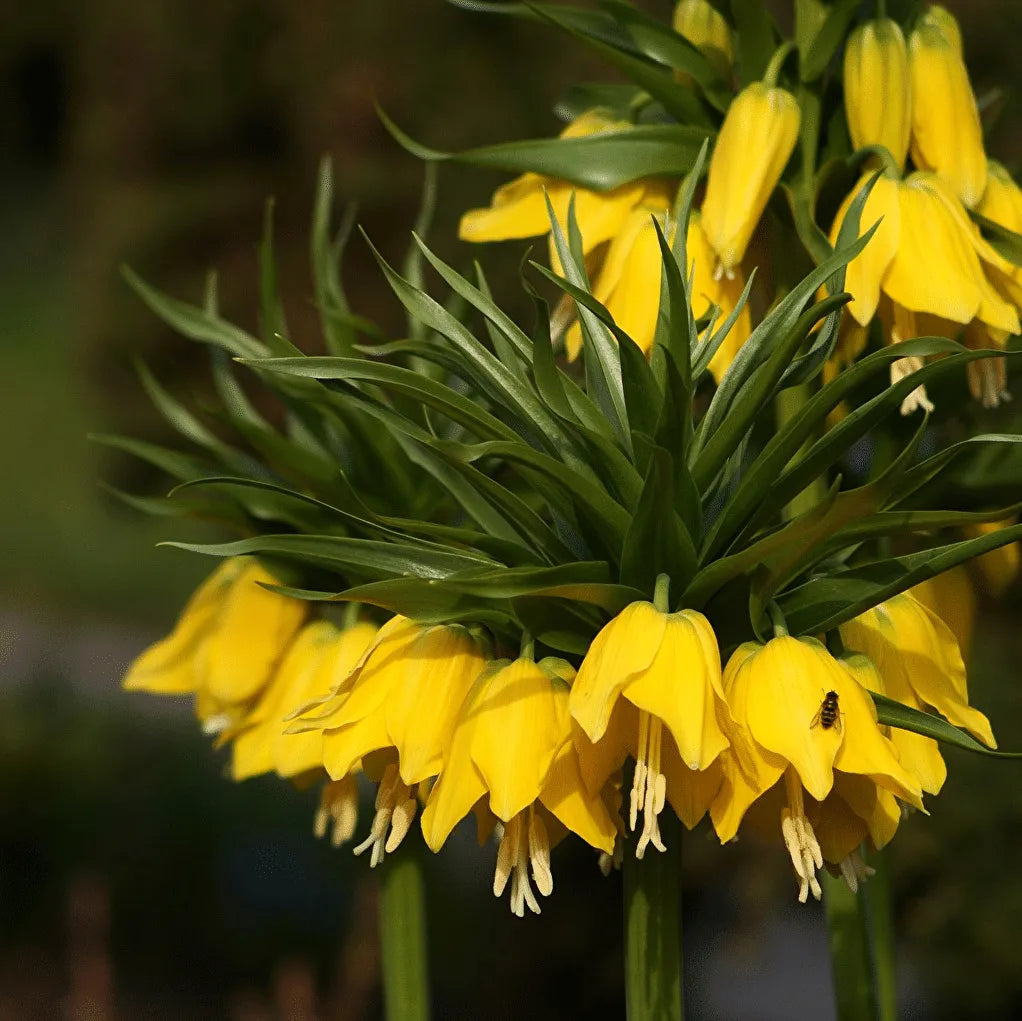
pixel 536 749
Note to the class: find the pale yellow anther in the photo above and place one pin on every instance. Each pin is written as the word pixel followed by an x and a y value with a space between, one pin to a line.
pixel 396 805
pixel 917 398
pixel 524 844
pixel 854 870
pixel 649 787
pixel 800 839
pixel 338 804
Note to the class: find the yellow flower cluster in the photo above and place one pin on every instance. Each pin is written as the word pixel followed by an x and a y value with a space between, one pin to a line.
pixel 536 750
pixel 622 253
pixel 927 270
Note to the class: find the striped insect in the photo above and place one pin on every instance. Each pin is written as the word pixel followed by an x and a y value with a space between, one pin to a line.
pixel 829 713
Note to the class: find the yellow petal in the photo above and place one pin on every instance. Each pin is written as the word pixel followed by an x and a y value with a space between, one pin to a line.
pixel 622 649
pixel 947 136
pixel 878 96
pixel 760 120
pixel 866 272
pixel 521 722
pixel 950 595
pixel 422 709
pixel 252 632
pixel 599 761
pixel 705 28
pixel 168 667
pixel 582 812
pixel 877 807
pixel 682 687
pixel 689 791
pixel 839 831
pixel 786 683
pixel 343 747
pixel 740 788
pixel 1000 567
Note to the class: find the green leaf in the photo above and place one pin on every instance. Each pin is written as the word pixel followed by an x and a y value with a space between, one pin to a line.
pixel 413 260
pixel 823 603
pixel 656 541
pixel 194 323
pixel 344 553
pixel 173 462
pixel 271 310
pixel 896 714
pixel 339 329
pixel 814 58
pixel 1006 243
pixel 601 162
pixel 755 43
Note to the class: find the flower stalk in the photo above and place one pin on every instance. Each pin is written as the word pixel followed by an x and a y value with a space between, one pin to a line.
pixel 403 939
pixel 653 961
pixel 848 937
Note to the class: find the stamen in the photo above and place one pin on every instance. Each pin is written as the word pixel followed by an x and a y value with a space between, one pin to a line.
pixel 649 788
pixel 217 724
pixel 609 862
pixel 523 842
pixel 855 871
pixel 396 805
pixel 917 398
pixel 338 803
pixel 800 839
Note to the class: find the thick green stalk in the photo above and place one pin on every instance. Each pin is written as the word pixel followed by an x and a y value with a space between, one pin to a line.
pixel 848 935
pixel 403 938
pixel 877 894
pixel 653 929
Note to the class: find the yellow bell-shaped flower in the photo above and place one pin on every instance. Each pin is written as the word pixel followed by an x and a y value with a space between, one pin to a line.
pixel 952 597
pixel 801 717
pixel 627 282
pixel 947 136
pixel 706 29
pixel 225 645
pixel 512 751
pixel 519 209
pixel 1002 203
pixel 920 664
pixel 878 94
pixel 752 149
pixel 319 659
pixel 650 685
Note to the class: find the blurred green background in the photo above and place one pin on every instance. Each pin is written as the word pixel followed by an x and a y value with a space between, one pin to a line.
pixel 135 879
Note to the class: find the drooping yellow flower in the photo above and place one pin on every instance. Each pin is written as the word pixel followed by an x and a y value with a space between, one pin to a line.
pixel 1000 567
pixel 319 659
pixel 225 645
pixel 777 693
pixel 878 94
pixel 666 666
pixel 629 280
pixel 947 136
pixel 519 209
pixel 403 696
pixel 1002 203
pixel 928 260
pixel 920 665
pixel 706 29
pixel 752 149
pixel 512 751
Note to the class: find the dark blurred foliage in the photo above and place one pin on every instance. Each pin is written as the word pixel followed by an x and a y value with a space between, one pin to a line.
pixel 135 879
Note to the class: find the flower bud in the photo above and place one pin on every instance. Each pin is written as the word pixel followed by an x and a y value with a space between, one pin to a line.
pixel 705 28
pixel 878 95
pixel 755 141
pixel 947 137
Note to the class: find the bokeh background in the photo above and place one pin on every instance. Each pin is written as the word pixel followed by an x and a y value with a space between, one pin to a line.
pixel 135 880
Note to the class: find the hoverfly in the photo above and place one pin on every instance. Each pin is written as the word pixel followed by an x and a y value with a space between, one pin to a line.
pixel 829 712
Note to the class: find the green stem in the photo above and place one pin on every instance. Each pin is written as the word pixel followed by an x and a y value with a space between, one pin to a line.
pixel 652 889
pixel 774 67
pixel 848 937
pixel 880 918
pixel 403 938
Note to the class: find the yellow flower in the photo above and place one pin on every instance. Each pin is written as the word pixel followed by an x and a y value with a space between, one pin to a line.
pixel 706 29
pixel 777 694
pixel 947 136
pixel 319 659
pixel 225 645
pixel 755 141
pixel 519 209
pixel 403 697
pixel 928 259
pixel 920 664
pixel 878 96
pixel 1002 203
pixel 512 746
pixel 666 666
pixel 628 284
pixel 951 596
